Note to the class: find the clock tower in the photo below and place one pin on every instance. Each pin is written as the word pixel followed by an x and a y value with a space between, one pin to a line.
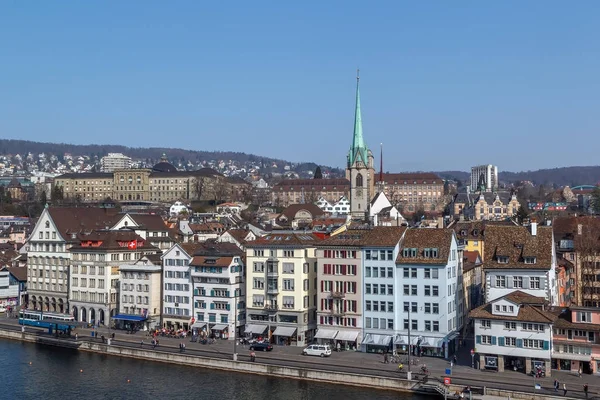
pixel 359 170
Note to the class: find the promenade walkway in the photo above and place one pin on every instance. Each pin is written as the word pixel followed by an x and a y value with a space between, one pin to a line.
pixel 351 361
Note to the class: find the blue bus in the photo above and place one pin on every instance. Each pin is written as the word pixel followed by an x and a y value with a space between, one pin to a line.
pixel 48 320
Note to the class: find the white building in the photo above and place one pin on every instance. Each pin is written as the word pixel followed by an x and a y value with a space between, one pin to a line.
pixel 177 304
pixel 486 175
pixel 140 291
pixel 520 258
pixel 379 254
pixel 150 227
pixel 94 280
pixel 429 292
pixel 342 206
pixel 9 289
pixel 513 332
pixel 383 213
pixel 48 253
pixel 217 273
pixel 178 208
pixel 115 161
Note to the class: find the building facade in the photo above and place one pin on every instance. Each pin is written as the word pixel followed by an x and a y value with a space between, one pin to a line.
pixel 217 274
pixel 520 258
pixel 177 304
pixel 115 161
pixel 484 178
pixel 576 340
pixel 414 191
pixel 514 332
pixel 429 292
pixel 300 191
pixel 280 288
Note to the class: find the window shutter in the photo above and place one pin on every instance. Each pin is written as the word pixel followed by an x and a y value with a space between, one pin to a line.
pixel 519 342
pixel 526 282
pixel 345 305
pixel 509 282
pixel 478 339
pixel 494 340
pixel 212 306
pixel 546 345
pixel 500 340
pixel 322 284
pixel 212 293
pixel 228 307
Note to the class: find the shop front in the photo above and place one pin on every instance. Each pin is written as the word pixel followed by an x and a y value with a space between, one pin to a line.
pixel 220 331
pixel 285 335
pixel 400 344
pixel 255 331
pixel 375 343
pixel 326 336
pixel 431 347
pixel 129 322
pixel 346 340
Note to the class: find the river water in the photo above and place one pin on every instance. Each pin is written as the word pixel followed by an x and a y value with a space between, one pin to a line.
pixel 33 371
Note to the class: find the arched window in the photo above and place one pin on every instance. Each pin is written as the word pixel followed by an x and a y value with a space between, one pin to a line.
pixel 359 180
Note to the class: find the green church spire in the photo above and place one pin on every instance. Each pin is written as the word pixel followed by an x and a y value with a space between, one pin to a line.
pixel 358 151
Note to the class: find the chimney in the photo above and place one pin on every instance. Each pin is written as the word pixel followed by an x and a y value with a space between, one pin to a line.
pixel 533 227
pixel 579 229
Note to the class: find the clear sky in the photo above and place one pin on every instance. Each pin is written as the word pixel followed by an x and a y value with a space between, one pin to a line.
pixel 444 85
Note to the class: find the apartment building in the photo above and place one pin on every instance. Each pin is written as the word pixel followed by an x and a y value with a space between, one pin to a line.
pixel 413 191
pixel 380 249
pixel 115 161
pixel 48 255
pixel 514 332
pixel 520 258
pixel 94 280
pixel 576 340
pixel 281 287
pixel 217 273
pixel 429 292
pixel 484 178
pixel 297 191
pixel 140 292
pixel 151 227
pixel 339 289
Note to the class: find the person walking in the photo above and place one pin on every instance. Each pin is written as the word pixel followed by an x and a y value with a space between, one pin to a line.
pixel 454 359
pixel 142 343
pixel 579 372
pixel 385 358
pixel 556 385
pixel 564 389
pixel 585 390
pixel 76 337
pixel 252 356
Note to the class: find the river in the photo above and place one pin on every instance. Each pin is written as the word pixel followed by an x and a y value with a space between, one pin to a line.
pixel 43 372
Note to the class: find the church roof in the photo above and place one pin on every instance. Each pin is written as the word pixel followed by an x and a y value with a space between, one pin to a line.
pixel 359 150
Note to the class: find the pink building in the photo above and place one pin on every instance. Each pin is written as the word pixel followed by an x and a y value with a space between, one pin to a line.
pixel 576 342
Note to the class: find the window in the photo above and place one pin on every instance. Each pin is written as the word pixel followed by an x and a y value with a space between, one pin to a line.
pixel 436 326
pixel 534 282
pixel 390 272
pixel 529 260
pixel 486 323
pixel 367 272
pixel 413 290
pixel 502 259
pixel 427 325
pixel 414 324
pixel 258 283
pixel 413 307
pixel 435 291
pixel 405 324
pixel 533 344
pixel 288 284
pixel 413 272
pixel 436 308
pixel 288 268
pixel 500 281
pixel 486 339
pixel 427 273
pixel 368 288
pixel 584 316
pixel 390 306
pixel 434 273
pixel 406 272
pixel 259 266
pixel 510 341
pixel 518 282
pixel 511 326
pixel 427 308
pixel 368 305
pixel 427 290
pixel 288 253
pixel 406 289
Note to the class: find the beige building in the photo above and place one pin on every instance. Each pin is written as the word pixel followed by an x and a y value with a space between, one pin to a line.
pixel 280 288
pixel 485 206
pixel 162 183
pixel 413 191
pixel 297 191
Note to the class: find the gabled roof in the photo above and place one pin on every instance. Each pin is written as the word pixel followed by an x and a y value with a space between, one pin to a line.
pixel 150 222
pixel 565 321
pixel 20 273
pixel 238 234
pixel 190 248
pixel 347 238
pixel 69 220
pixel 383 236
pixel 426 238
pixel 296 240
pixel 110 240
pixel 471 259
pixel 211 261
pixel 567 227
pixel 517 243
pixel 530 309
pixel 291 211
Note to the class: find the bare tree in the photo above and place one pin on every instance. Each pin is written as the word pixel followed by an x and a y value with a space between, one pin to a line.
pixel 199 187
pixel 221 190
pixel 587 247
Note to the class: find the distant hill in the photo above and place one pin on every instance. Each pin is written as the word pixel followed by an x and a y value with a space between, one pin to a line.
pixel 565 176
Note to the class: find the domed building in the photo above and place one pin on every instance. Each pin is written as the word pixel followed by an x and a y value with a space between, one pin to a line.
pixel 164 165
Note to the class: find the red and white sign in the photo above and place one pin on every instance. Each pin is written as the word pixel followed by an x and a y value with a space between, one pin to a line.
pixel 447 380
pixel 132 245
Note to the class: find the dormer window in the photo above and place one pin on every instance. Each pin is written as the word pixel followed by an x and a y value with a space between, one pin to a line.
pixel 475 232
pixel 502 259
pixel 529 260
pixel 463 232
pixel 430 253
pixel 409 253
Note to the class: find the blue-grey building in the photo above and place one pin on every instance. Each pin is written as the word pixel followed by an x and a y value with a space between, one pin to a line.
pixel 428 293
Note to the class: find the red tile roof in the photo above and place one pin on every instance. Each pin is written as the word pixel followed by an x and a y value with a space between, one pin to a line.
pixel 517 243
pixel 309 185
pixel 69 220
pixel 423 238
pixel 411 178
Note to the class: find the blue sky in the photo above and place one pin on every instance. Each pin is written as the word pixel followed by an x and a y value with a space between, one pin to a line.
pixel 444 85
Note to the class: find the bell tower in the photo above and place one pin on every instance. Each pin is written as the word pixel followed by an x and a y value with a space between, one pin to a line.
pixel 360 170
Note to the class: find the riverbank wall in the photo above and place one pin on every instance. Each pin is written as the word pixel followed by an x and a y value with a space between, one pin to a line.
pixel 279 371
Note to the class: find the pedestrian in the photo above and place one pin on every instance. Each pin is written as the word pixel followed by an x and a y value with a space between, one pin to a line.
pixel 556 385
pixel 454 359
pixel 338 347
pixel 585 390
pixel 142 343
pixel 579 372
pixel 252 356
pixel 385 358
pixel 76 337
pixel 564 389
pixel 183 345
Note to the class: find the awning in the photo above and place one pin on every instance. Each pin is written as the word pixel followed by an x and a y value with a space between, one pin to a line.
pixel 326 333
pixel 125 317
pixel 219 327
pixel 377 340
pixel 399 339
pixel 256 329
pixel 198 325
pixel 348 336
pixel 286 331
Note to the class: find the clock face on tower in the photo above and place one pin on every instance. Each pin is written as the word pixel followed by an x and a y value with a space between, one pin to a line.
pixel 359 192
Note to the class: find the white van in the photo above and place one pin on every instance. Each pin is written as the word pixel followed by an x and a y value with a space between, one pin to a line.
pixel 321 350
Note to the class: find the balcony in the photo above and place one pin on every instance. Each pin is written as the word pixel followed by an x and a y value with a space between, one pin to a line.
pixel 337 295
pixel 272 290
pixel 272 273
pixel 271 307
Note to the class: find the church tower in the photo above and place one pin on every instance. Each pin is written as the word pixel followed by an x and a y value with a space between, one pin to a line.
pixel 359 170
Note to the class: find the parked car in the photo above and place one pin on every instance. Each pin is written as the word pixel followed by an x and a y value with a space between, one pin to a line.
pixel 261 346
pixel 321 350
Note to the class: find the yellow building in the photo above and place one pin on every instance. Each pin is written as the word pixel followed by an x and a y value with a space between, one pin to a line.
pixel 485 206
pixel 414 191
pixel 280 288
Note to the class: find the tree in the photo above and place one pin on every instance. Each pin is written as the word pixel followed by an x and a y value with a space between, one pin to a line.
pixel 43 199
pixel 200 187
pixel 595 200
pixel 419 214
pixel 57 194
pixel 522 215
pixel 318 173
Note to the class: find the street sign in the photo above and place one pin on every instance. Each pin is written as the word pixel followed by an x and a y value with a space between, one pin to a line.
pixel 448 371
pixel 447 380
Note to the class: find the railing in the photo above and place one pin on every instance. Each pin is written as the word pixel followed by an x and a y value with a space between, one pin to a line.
pixel 337 312
pixel 272 291
pixel 271 307
pixel 338 295
pixel 272 274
